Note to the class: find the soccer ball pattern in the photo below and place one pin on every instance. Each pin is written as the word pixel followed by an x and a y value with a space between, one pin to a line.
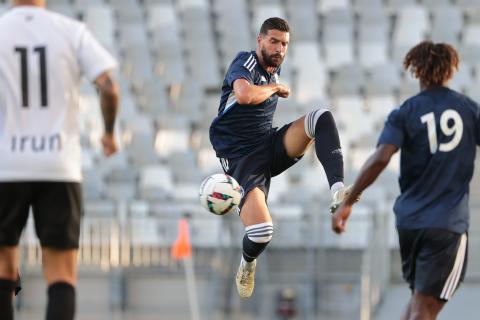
pixel 220 193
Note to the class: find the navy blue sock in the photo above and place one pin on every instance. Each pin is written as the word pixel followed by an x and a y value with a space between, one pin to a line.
pixel 61 301
pixel 251 250
pixel 328 149
pixel 7 288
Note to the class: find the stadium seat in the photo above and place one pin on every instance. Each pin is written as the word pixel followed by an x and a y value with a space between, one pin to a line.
pixel 156 182
pixel 153 99
pixel 128 11
pixel 264 10
pixel 290 226
pixel 353 117
pixel 411 26
pixel 170 139
pixel 338 38
pixel 100 20
pixel 184 167
pixel 208 162
pixel 441 32
pixel 462 78
pixel 379 106
pixel 303 20
pixel 367 5
pixel 310 79
pixel 278 187
pixel 372 45
pixel 64 8
pixel 396 5
pixel 383 79
pixel 433 4
pixel 205 233
pixel 467 4
pixel 347 80
pixel 324 6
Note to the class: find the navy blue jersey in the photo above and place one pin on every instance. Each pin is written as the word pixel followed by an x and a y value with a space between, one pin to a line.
pixel 238 129
pixel 437 132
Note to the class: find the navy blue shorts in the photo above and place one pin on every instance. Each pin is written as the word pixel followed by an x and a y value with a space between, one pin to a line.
pixel 256 169
pixel 434 261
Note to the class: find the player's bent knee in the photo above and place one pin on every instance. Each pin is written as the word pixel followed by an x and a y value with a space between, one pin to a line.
pixel 260 233
pixel 311 120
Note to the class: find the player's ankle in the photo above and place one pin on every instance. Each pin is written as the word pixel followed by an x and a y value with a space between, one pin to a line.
pixel 335 187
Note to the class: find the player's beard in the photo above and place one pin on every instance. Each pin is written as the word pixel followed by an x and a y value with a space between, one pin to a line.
pixel 269 60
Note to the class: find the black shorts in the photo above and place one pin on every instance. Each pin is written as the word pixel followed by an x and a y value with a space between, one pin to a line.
pixel 258 167
pixel 434 261
pixel 57 210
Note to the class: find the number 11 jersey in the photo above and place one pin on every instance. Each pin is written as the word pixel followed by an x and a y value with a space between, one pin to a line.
pixel 43 56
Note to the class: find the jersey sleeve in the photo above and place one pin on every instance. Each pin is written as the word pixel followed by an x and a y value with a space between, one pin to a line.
pixel 393 131
pixel 93 58
pixel 239 69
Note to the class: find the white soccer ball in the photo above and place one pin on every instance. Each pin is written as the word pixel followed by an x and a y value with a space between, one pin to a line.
pixel 220 193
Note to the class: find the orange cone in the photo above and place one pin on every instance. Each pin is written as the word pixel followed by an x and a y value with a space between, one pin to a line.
pixel 182 248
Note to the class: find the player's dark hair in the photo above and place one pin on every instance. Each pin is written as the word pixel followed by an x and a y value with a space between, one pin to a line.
pixel 432 63
pixel 274 24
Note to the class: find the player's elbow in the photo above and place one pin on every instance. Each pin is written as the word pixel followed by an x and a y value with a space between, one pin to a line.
pixel 107 86
pixel 381 160
pixel 383 154
pixel 110 91
pixel 243 98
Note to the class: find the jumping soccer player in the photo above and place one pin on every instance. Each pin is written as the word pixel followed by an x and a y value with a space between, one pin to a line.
pixel 253 152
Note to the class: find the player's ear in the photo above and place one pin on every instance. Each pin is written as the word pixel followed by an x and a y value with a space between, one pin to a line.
pixel 260 38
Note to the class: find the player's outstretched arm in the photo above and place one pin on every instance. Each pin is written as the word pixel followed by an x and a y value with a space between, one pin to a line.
pixel 109 98
pixel 249 94
pixel 368 174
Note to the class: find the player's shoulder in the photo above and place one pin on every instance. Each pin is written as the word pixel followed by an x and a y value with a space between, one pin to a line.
pixel 40 12
pixel 468 101
pixel 246 59
pixel 65 21
pixel 462 101
pixel 405 108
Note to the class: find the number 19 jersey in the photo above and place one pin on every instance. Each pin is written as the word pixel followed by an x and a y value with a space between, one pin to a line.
pixel 43 56
pixel 437 131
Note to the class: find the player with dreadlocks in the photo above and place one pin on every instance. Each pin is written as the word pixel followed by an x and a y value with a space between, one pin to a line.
pixel 438 131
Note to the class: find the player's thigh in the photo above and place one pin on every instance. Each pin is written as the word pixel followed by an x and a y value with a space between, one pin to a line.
pixel 57 210
pixel 295 140
pixel 255 210
pixel 409 241
pixel 60 265
pixel 280 158
pixel 441 263
pixel 15 199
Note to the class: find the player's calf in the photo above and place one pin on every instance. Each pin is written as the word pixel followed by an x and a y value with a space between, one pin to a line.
pixel 61 301
pixel 320 126
pixel 7 287
pixel 256 239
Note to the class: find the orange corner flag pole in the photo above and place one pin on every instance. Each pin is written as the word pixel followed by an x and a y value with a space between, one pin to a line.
pixel 182 247
pixel 182 250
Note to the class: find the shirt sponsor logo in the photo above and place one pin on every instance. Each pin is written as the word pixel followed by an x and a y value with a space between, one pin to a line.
pixel 32 143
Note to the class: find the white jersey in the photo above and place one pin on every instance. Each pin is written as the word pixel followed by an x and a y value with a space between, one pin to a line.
pixel 43 56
